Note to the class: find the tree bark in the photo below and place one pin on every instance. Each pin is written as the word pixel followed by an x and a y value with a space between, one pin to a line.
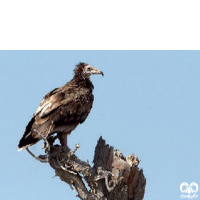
pixel 113 176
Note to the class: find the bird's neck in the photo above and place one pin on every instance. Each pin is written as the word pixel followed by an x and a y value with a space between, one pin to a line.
pixel 83 82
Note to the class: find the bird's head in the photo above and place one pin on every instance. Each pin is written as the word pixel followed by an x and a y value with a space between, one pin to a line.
pixel 85 70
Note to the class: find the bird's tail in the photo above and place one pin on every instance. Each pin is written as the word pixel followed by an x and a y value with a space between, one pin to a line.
pixel 27 141
pixel 24 147
pixel 27 138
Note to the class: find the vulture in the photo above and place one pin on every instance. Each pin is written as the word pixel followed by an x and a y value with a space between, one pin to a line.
pixel 62 109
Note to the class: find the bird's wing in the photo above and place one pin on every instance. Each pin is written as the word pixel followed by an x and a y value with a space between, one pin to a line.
pixel 67 103
pixel 57 101
pixel 53 100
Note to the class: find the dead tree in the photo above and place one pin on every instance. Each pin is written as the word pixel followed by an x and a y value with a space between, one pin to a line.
pixel 113 176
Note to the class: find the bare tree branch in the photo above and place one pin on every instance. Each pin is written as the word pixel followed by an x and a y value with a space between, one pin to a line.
pixel 113 176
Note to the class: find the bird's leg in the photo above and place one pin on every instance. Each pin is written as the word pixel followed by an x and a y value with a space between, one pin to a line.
pixel 63 140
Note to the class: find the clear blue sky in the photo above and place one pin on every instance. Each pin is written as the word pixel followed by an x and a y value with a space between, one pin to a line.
pixel 148 103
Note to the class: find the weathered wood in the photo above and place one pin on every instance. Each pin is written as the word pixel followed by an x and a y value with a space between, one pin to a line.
pixel 113 176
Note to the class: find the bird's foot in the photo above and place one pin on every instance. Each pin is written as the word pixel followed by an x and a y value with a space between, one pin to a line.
pixel 67 149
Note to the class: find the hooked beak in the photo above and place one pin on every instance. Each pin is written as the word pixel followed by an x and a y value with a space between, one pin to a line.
pixel 96 71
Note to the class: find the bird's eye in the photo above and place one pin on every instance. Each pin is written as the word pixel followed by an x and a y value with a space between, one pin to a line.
pixel 89 68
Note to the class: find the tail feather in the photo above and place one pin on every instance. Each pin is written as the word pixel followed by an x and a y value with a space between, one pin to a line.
pixel 19 149
pixel 27 138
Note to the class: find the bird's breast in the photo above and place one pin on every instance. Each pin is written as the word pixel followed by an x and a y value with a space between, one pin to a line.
pixel 84 97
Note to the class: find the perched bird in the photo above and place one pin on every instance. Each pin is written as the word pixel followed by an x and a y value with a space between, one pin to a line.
pixel 62 109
